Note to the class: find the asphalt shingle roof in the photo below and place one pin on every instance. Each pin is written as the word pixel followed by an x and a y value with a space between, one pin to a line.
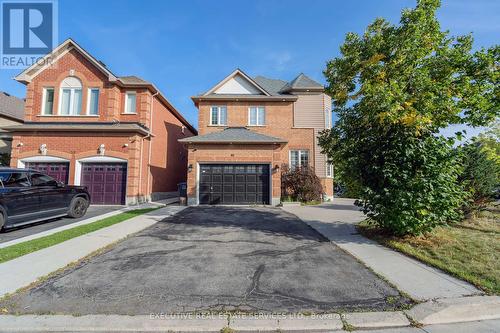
pixel 234 135
pixel 272 86
pixel 77 127
pixel 302 81
pixel 11 106
pixel 132 79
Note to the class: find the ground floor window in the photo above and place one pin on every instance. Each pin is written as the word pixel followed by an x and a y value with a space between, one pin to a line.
pixel 299 158
pixel 329 170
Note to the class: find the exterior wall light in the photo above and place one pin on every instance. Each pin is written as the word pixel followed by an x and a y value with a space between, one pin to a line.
pixel 190 167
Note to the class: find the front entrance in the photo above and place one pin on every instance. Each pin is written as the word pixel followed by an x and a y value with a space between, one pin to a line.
pixel 57 170
pixel 106 182
pixel 236 184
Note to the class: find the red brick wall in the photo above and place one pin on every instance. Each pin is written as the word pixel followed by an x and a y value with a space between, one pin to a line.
pixel 111 97
pixel 75 146
pixel 169 157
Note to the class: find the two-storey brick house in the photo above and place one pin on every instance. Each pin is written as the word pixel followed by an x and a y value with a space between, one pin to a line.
pixel 248 129
pixel 86 126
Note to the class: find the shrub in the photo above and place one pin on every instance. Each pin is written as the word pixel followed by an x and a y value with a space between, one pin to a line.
pixel 480 175
pixel 301 184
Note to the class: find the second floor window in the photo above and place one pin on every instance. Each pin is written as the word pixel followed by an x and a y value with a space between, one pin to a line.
pixel 130 102
pixel 299 158
pixel 93 102
pixel 71 97
pixel 48 101
pixel 256 116
pixel 218 115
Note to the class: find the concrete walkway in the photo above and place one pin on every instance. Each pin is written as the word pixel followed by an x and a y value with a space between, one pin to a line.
pixel 23 271
pixel 337 220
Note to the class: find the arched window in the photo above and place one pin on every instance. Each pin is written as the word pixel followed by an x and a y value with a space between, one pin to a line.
pixel 70 100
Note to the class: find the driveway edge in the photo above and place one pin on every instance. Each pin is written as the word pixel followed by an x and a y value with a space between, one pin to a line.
pixel 31 267
pixel 76 224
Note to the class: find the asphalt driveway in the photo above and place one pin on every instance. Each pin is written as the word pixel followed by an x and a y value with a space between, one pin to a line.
pixel 213 259
pixel 31 229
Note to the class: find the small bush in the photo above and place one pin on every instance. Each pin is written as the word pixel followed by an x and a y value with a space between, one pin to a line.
pixel 301 184
pixel 480 175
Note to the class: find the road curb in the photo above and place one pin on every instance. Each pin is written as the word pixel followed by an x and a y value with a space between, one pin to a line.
pixel 372 320
pixel 454 310
pixel 443 311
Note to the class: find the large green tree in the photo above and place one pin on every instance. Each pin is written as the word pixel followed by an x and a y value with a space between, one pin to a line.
pixel 393 89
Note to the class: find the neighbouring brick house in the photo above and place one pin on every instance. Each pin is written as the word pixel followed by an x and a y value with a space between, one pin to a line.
pixel 86 126
pixel 11 113
pixel 248 129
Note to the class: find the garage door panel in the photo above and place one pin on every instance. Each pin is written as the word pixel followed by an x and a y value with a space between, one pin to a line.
pixel 234 184
pixel 57 170
pixel 205 178
pixel 106 182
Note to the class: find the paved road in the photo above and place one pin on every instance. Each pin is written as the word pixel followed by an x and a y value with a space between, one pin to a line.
pixel 215 258
pixel 26 230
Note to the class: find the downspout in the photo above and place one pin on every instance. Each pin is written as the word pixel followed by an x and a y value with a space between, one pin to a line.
pixel 150 142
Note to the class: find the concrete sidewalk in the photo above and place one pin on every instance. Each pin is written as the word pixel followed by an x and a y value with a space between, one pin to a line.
pixel 23 271
pixel 214 323
pixel 337 221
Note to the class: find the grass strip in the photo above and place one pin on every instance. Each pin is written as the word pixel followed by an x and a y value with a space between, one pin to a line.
pixel 469 250
pixel 21 249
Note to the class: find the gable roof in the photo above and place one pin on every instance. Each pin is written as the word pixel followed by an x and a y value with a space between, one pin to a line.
pixel 276 89
pixel 29 73
pixel 11 107
pixel 235 73
pixel 302 82
pixel 124 81
pixel 236 135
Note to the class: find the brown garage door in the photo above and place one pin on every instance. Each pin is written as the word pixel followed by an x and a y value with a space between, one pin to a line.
pixel 237 184
pixel 106 182
pixel 58 171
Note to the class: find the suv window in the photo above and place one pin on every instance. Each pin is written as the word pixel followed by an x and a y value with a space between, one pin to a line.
pixel 14 179
pixel 38 179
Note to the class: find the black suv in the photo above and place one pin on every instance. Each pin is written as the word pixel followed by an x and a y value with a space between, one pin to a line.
pixel 28 196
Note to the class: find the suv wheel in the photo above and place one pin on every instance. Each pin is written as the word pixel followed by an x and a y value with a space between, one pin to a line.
pixel 2 220
pixel 78 207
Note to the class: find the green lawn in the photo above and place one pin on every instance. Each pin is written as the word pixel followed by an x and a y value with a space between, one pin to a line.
pixel 17 250
pixel 469 250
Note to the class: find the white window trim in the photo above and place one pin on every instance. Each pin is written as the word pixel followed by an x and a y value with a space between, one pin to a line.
pixel 219 109
pixel 45 158
pixel 328 119
pixel 71 98
pixel 44 100
pixel 257 116
pixel 89 91
pixel 329 170
pixel 130 92
pixel 301 151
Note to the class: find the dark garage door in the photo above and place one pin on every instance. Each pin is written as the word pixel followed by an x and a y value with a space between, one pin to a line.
pixel 58 171
pixel 234 184
pixel 106 182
